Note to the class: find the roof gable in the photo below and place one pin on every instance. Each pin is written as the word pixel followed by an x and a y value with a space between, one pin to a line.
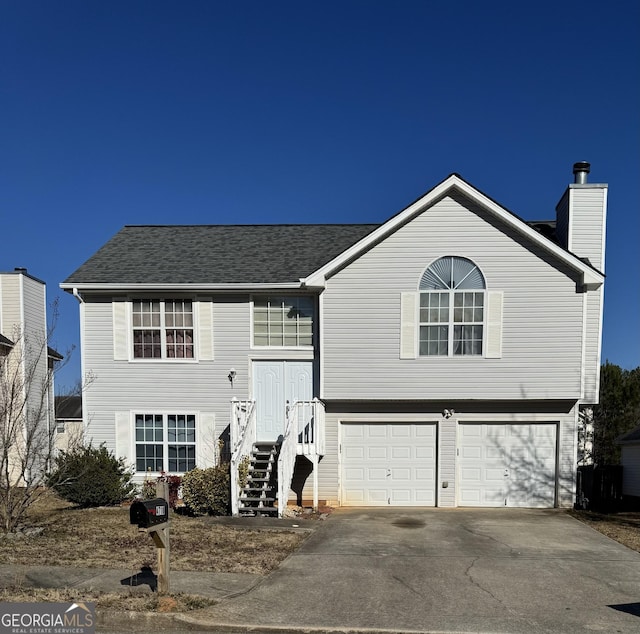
pixel 590 276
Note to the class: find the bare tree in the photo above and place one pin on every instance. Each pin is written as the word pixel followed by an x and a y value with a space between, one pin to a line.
pixel 27 420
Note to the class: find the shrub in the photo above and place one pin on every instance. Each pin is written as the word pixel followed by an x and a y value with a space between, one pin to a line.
pixel 207 491
pixel 91 476
pixel 174 482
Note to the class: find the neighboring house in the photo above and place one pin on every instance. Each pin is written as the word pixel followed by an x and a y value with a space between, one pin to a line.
pixel 69 425
pixel 437 359
pixel 26 377
pixel 630 461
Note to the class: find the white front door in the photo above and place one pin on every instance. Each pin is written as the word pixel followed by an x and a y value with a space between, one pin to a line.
pixel 274 384
pixel 388 464
pixel 507 465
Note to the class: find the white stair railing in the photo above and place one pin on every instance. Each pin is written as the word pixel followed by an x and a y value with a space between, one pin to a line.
pixel 287 458
pixel 304 435
pixel 242 434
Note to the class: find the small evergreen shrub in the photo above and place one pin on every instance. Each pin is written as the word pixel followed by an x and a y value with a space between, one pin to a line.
pixel 91 476
pixel 207 491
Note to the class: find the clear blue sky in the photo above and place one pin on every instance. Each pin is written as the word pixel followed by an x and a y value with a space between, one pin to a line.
pixel 160 112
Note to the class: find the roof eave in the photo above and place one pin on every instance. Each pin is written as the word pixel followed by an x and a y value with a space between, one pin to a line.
pixel 140 288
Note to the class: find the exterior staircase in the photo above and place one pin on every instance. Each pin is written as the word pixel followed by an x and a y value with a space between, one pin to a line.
pixel 259 495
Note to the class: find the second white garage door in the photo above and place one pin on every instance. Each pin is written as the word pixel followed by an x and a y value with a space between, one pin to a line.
pixel 388 464
pixel 507 465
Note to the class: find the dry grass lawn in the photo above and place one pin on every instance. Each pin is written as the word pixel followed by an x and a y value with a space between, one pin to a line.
pixel 623 527
pixel 103 538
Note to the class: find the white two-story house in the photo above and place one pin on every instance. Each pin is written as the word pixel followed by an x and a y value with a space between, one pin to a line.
pixel 437 359
pixel 26 380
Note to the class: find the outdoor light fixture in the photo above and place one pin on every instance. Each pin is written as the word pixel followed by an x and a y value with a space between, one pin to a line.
pixel 232 375
pixel 448 413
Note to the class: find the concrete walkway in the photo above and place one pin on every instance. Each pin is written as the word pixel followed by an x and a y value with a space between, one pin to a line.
pixel 403 570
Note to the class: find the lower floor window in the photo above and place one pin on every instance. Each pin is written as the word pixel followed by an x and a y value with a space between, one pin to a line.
pixel 165 442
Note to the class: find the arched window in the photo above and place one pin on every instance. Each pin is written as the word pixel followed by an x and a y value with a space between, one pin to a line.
pixel 452 301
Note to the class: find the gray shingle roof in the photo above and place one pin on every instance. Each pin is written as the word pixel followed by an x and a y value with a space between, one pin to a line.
pixel 216 254
pixel 631 437
pixel 68 407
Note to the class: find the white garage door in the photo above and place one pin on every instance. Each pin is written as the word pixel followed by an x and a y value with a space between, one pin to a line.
pixel 507 465
pixel 388 464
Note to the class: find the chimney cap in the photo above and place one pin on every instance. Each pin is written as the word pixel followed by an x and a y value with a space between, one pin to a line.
pixel 20 269
pixel 580 171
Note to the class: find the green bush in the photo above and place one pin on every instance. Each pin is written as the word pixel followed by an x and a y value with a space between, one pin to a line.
pixel 91 476
pixel 207 491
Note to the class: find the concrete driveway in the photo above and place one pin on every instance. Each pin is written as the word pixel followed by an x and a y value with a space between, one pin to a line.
pixel 440 570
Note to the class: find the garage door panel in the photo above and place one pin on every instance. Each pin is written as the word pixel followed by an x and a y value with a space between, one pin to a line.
pixel 507 464
pixel 403 453
pixel 376 475
pixel 377 453
pixel 493 453
pixel 403 469
pixel 425 453
pixel 470 452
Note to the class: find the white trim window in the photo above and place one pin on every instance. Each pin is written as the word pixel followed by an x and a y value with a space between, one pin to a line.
pixel 283 321
pixel 163 329
pixel 452 301
pixel 165 442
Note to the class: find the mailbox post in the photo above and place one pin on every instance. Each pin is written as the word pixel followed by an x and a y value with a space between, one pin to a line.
pixel 152 516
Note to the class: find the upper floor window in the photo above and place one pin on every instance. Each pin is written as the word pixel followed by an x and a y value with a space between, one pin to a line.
pixel 283 321
pixel 452 308
pixel 162 329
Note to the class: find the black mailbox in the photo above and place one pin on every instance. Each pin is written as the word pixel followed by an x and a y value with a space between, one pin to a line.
pixel 148 513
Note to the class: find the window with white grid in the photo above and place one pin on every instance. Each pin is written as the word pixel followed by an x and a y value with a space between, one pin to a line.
pixel 165 442
pixel 283 321
pixel 452 299
pixel 163 329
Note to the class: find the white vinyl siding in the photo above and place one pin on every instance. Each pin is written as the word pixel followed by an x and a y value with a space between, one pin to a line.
pixel 587 205
pixel 156 387
pixel 536 351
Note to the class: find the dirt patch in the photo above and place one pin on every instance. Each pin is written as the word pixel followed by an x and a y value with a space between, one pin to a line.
pixel 622 527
